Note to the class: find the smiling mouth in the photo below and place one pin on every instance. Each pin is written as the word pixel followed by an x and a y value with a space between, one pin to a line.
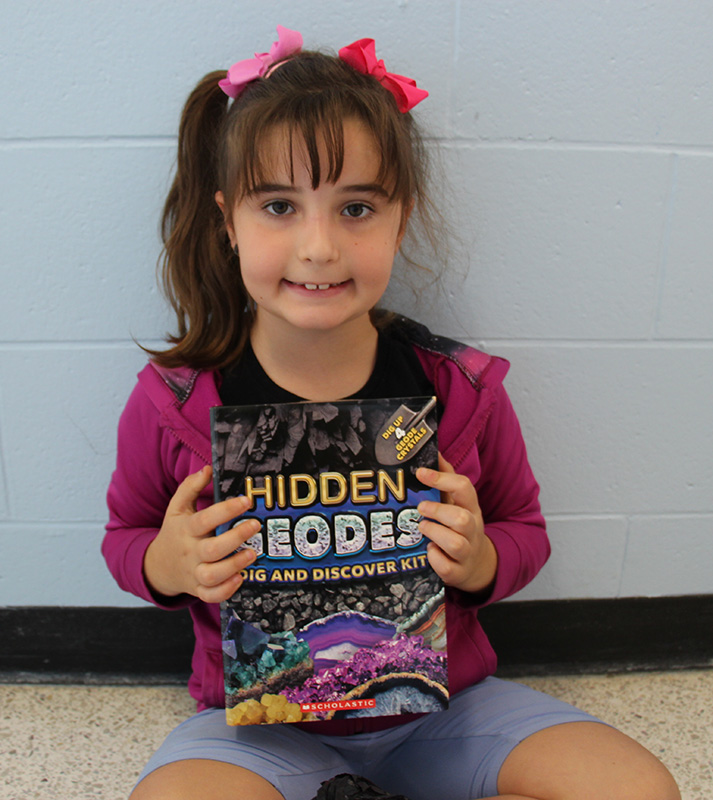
pixel 313 287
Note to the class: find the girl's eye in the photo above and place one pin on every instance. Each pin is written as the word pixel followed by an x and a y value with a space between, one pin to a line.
pixel 357 210
pixel 278 208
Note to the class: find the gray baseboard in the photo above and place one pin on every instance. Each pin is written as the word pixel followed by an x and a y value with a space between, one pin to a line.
pixel 126 645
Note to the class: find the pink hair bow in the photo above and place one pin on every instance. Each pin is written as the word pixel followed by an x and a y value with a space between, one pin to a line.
pixel 362 56
pixel 241 74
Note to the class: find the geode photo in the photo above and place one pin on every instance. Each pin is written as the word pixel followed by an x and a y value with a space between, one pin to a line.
pixel 326 644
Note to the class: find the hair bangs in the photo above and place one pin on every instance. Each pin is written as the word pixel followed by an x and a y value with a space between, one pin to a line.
pixel 310 126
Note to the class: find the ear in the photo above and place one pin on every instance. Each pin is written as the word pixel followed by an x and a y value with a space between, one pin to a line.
pixel 220 200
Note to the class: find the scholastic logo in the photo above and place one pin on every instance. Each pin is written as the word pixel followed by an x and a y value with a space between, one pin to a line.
pixel 338 705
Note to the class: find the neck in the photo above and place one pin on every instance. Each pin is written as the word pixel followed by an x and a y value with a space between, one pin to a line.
pixel 317 365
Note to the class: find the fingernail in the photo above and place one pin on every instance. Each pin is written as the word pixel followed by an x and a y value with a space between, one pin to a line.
pixel 422 509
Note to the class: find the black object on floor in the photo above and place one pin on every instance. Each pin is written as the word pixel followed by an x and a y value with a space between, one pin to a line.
pixel 353 787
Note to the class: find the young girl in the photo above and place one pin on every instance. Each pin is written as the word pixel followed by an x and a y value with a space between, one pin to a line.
pixel 298 173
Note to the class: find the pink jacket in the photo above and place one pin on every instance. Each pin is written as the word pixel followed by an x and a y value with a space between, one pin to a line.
pixel 164 436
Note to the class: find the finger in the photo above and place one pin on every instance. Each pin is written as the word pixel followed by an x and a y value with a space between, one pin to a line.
pixel 189 490
pixel 204 522
pixel 446 568
pixel 221 592
pixel 216 548
pixel 455 545
pixel 454 488
pixel 454 517
pixel 216 573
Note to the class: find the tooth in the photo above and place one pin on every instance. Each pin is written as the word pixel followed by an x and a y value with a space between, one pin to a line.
pixel 310 286
pixel 324 285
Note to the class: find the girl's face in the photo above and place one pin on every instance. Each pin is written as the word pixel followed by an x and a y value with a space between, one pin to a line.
pixel 317 259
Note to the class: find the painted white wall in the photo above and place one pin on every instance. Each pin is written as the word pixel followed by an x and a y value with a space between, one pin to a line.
pixel 578 138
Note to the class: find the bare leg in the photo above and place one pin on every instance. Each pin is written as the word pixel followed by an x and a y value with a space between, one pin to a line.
pixel 584 761
pixel 198 779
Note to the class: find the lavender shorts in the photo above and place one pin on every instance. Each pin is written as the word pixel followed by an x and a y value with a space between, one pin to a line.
pixel 453 755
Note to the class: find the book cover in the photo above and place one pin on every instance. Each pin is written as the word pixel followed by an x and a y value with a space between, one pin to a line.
pixel 341 614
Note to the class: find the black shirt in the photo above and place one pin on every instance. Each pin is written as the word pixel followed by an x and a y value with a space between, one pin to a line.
pixel 397 373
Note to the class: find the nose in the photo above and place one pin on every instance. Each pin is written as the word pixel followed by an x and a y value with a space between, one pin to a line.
pixel 318 240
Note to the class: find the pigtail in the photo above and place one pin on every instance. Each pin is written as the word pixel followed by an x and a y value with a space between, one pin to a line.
pixel 200 274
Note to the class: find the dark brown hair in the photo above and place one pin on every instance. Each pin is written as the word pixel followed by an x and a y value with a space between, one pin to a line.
pixel 221 147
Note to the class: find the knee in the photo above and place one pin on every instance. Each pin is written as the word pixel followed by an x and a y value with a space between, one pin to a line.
pixel 658 785
pixel 152 790
pixel 195 780
pixel 644 779
pixel 585 761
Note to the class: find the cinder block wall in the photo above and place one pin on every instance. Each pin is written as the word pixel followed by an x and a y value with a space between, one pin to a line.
pixel 577 139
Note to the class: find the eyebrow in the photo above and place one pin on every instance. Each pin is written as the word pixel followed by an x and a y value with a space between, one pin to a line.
pixel 365 188
pixel 266 188
pixel 359 188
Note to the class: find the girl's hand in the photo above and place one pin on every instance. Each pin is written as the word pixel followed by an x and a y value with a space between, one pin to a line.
pixel 459 551
pixel 187 558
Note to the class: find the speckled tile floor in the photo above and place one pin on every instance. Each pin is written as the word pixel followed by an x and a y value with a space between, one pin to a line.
pixel 89 742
